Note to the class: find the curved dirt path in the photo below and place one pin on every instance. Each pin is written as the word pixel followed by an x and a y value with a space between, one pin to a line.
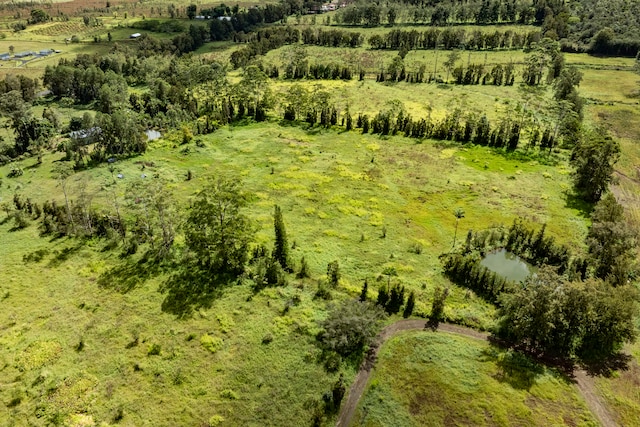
pixel 583 381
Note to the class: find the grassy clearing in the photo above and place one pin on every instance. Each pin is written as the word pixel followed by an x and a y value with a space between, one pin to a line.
pixel 432 379
pixel 337 192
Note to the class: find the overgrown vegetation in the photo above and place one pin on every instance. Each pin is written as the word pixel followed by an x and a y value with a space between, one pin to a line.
pixel 298 199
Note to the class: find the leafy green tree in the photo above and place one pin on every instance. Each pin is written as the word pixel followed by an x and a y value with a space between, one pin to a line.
pixel 391 16
pixel 38 16
pixel 611 241
pixel 151 205
pixel 350 328
pixel 591 319
pixel 371 15
pixel 297 97
pixel 254 86
pixel 594 158
pixel 333 273
pixel 365 289
pixel 191 11
pixel 281 246
pixel 217 231
pixel 120 133
pixel 437 307
pixel 396 299
pixel 450 63
pixel 303 273
pixel 411 303
pixel 29 129
pixel 602 40
pixel 611 320
pixel 383 296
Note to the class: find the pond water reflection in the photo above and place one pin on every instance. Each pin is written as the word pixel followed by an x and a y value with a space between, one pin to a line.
pixel 508 265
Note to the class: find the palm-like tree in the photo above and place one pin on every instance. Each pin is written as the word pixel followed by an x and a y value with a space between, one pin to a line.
pixel 459 214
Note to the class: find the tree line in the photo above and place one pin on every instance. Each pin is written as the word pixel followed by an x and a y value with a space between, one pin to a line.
pixel 480 12
pixel 454 38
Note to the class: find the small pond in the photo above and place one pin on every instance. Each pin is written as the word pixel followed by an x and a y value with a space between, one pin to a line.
pixel 508 265
pixel 152 134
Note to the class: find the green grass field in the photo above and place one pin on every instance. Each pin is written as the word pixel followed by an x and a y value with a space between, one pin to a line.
pixel 436 379
pixel 77 322
pixel 337 192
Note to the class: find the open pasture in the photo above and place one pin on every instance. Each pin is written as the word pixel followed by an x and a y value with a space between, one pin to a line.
pixel 434 379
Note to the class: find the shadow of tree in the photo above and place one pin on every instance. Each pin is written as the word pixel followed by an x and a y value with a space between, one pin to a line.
pixel 573 201
pixel 190 289
pixel 129 274
pixel 61 256
pixel 516 369
pixel 606 367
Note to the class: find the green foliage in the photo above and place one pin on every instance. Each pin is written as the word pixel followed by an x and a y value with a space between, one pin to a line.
pixel 363 293
pixel 38 16
pixel 437 307
pixel 411 303
pixel 265 270
pixel 154 349
pixel 383 296
pixel 323 291
pixel 333 274
pixel 594 158
pixel 550 315
pixel 229 394
pixel 612 241
pixel 333 399
pixel 396 299
pixel 281 245
pixel 303 273
pixel 466 271
pixel 213 344
pixel 217 231
pixel 350 328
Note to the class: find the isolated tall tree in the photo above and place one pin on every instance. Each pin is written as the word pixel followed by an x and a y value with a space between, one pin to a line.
pixel 594 158
pixel 450 63
pixel 281 246
pixel 459 214
pixel 333 273
pixel 437 307
pixel 389 271
pixel 62 172
pixel 350 328
pixel 217 231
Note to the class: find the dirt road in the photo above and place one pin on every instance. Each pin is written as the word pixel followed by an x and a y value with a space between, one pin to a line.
pixel 583 381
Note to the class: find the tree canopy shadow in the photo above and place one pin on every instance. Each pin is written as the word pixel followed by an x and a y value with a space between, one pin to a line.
pixel 61 256
pixel 129 274
pixel 574 201
pixel 606 367
pixel 514 368
pixel 192 288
